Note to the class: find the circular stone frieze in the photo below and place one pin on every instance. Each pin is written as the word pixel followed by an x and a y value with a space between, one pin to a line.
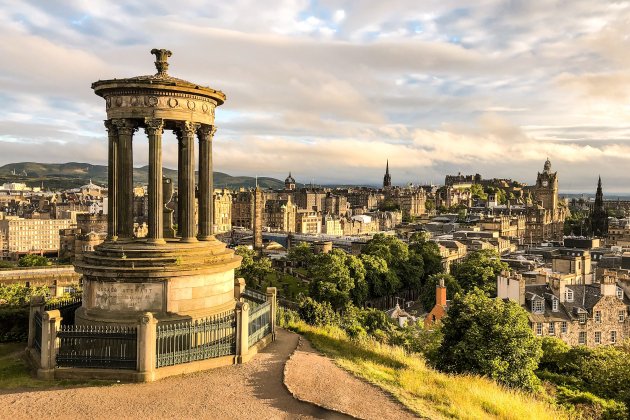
pixel 172 102
pixel 119 101
pixel 150 100
pixel 191 105
pixel 135 100
pixel 204 108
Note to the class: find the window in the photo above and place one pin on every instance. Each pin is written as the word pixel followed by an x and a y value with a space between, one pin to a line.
pixel 552 328
pixel 598 317
pixel 619 292
pixel 539 328
pixel 537 306
pixel 582 337
pixel 554 305
pixel 564 327
pixel 582 318
pixel 622 315
pixel 598 337
pixel 613 337
pixel 569 295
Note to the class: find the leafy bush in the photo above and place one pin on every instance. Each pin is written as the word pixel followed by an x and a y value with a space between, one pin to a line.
pixel 317 314
pixel 33 260
pixel 14 323
pixel 590 405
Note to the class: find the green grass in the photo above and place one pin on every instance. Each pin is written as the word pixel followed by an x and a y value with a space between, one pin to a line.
pixel 16 374
pixel 425 391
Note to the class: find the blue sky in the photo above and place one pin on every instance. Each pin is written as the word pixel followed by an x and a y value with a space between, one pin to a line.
pixel 331 89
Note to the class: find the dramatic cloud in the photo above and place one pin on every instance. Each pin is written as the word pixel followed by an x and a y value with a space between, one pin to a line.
pixel 331 89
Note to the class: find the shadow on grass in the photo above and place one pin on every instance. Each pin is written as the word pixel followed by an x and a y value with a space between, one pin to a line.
pixel 16 375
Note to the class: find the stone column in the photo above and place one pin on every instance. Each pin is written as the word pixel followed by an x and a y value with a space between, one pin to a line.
pixel 154 128
pixel 146 351
pixel 239 287
pixel 126 128
pixel 206 192
pixel 242 331
pixel 186 139
pixel 36 305
pixel 51 321
pixel 112 181
pixel 272 296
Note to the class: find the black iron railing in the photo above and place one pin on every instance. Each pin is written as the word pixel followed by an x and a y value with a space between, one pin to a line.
pixel 66 308
pixel 185 342
pixel 37 338
pixel 90 346
pixel 259 323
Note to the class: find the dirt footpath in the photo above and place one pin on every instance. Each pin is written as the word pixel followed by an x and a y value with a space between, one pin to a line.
pixel 315 378
pixel 251 391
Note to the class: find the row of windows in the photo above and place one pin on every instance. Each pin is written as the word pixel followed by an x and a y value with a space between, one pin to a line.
pixel 552 328
pixel 598 337
pixel 621 316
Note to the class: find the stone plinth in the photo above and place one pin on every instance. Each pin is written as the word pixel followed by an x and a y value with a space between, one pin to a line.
pixel 174 281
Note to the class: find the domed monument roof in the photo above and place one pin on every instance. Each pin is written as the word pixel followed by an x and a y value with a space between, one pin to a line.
pixel 289 180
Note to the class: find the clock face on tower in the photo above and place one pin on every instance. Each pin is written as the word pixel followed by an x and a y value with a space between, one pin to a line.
pixel 545 183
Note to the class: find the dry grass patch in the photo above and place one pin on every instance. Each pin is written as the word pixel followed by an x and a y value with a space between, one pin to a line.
pixel 425 391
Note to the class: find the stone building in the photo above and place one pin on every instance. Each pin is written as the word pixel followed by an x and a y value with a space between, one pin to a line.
pixel 336 204
pixel 308 222
pixel 545 214
pixel 331 225
pixel 19 236
pixel 508 226
pixel 243 209
pixel 311 199
pixel 222 214
pixel 280 215
pixel 91 230
pixel 441 306
pixel 289 183
pixel 578 314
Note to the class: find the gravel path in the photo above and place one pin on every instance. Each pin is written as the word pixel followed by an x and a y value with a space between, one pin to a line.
pixel 250 391
pixel 315 378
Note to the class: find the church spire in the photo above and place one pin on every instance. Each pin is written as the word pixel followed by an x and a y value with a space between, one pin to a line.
pixel 599 216
pixel 387 179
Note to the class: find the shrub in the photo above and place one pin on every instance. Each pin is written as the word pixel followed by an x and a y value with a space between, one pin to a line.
pixel 14 323
pixel 318 314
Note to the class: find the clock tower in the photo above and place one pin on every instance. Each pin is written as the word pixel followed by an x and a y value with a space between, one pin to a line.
pixel 546 188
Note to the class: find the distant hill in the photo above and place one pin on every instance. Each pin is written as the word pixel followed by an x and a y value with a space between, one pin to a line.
pixel 75 174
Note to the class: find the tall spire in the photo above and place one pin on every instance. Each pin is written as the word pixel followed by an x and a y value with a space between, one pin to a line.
pixel 599 216
pixel 387 179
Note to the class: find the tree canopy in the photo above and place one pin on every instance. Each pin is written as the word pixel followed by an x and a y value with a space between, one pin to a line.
pixel 32 260
pixel 253 269
pixel 479 269
pixel 427 296
pixel 489 337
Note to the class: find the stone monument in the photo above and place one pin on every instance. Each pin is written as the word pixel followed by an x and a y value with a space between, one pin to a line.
pixel 183 276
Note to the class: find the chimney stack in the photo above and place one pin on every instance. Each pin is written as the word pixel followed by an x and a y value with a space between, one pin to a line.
pixel 440 293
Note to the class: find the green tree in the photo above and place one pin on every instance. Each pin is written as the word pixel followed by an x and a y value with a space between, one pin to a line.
pixel 429 206
pixel 489 337
pixel 381 281
pixel 479 269
pixel 301 254
pixel 361 289
pixel 477 191
pixel 32 260
pixel 330 279
pixel 317 313
pixel 427 296
pixel 430 252
pixel 253 269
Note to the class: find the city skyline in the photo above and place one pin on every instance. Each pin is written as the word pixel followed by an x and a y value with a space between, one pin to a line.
pixel 334 89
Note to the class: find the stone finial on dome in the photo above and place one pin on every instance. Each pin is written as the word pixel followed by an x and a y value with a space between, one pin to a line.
pixel 161 60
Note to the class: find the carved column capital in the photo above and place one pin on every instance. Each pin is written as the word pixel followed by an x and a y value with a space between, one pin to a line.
pixel 186 129
pixel 110 127
pixel 153 126
pixel 206 132
pixel 125 126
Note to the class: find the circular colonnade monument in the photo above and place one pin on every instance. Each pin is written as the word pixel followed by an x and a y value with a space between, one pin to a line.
pixel 180 275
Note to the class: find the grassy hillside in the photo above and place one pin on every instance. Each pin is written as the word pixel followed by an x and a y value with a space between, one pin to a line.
pixel 427 392
pixel 75 174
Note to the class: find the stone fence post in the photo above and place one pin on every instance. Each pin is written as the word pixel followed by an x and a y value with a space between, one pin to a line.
pixel 239 288
pixel 272 296
pixel 242 331
pixel 37 305
pixel 147 351
pixel 51 321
